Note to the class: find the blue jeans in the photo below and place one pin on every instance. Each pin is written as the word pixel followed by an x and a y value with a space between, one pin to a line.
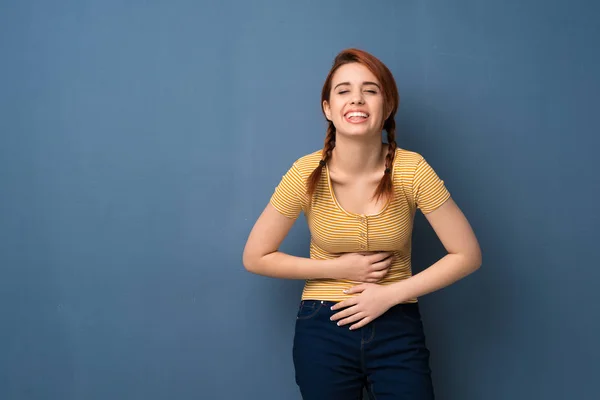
pixel 388 356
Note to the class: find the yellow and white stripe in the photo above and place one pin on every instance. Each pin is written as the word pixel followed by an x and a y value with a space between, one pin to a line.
pixel 335 230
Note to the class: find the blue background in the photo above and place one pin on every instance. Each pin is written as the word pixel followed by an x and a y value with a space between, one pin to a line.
pixel 140 140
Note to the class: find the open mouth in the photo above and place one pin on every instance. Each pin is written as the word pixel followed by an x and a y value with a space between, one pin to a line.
pixel 356 117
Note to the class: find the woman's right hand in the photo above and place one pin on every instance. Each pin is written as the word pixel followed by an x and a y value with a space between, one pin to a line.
pixel 369 267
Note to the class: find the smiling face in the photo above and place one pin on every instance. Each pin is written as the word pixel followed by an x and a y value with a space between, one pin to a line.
pixel 355 104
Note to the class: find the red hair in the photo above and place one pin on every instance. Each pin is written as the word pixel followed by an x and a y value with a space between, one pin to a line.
pixel 390 104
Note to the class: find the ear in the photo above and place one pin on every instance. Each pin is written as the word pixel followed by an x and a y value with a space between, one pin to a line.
pixel 389 113
pixel 327 110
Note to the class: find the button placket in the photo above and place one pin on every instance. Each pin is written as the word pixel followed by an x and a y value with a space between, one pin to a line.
pixel 362 233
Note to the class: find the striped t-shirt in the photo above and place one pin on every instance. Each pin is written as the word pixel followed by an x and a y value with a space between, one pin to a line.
pixel 335 230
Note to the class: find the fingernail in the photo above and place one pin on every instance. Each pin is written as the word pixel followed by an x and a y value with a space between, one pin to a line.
pixel 346 291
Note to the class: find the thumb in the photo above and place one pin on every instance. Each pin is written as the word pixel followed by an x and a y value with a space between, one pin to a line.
pixel 355 289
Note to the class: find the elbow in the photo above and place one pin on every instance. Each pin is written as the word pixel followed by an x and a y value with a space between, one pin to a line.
pixel 476 266
pixel 249 262
pixel 476 259
pixel 470 260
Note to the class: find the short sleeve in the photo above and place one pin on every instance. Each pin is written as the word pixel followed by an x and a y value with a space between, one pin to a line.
pixel 429 190
pixel 288 197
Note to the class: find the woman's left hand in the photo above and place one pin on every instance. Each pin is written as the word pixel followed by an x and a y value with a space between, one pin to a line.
pixel 372 301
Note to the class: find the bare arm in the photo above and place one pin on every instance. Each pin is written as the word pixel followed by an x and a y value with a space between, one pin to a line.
pixel 262 256
pixel 463 258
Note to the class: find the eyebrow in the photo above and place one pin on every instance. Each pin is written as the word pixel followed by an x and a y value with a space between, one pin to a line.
pixel 364 83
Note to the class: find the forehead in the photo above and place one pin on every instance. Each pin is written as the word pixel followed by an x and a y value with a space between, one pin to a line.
pixel 353 73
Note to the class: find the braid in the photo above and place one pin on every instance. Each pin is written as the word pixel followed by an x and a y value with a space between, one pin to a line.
pixel 386 187
pixel 329 142
pixel 315 176
pixel 391 137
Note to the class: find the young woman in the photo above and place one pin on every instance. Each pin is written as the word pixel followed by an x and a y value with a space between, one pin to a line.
pixel 358 324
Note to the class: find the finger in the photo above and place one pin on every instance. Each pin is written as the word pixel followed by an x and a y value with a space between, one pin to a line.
pixel 361 323
pixel 345 303
pixel 355 289
pixel 383 261
pixel 380 266
pixel 353 318
pixel 380 256
pixel 376 277
pixel 367 253
pixel 344 313
pixel 377 274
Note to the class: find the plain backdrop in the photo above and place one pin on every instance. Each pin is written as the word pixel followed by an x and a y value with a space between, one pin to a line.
pixel 140 140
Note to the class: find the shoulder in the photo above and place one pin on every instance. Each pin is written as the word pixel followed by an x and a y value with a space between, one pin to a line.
pixel 407 160
pixel 307 163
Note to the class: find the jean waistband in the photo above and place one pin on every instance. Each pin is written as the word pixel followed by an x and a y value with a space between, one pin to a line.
pixel 329 303
pixel 324 302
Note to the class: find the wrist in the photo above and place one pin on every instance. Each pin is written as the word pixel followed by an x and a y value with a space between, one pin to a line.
pixel 397 293
pixel 330 269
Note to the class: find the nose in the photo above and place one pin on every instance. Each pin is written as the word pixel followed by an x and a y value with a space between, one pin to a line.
pixel 357 98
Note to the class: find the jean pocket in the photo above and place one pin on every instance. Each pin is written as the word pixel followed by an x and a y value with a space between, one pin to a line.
pixel 308 309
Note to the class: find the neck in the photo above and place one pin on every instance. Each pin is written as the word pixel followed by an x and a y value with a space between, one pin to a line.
pixel 358 156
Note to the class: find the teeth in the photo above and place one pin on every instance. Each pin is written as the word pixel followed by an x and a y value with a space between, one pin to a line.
pixel 356 114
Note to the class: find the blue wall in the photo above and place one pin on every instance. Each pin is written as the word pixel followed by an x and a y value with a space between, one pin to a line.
pixel 140 140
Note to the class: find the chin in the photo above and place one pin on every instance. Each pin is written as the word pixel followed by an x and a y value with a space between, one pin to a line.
pixel 358 132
